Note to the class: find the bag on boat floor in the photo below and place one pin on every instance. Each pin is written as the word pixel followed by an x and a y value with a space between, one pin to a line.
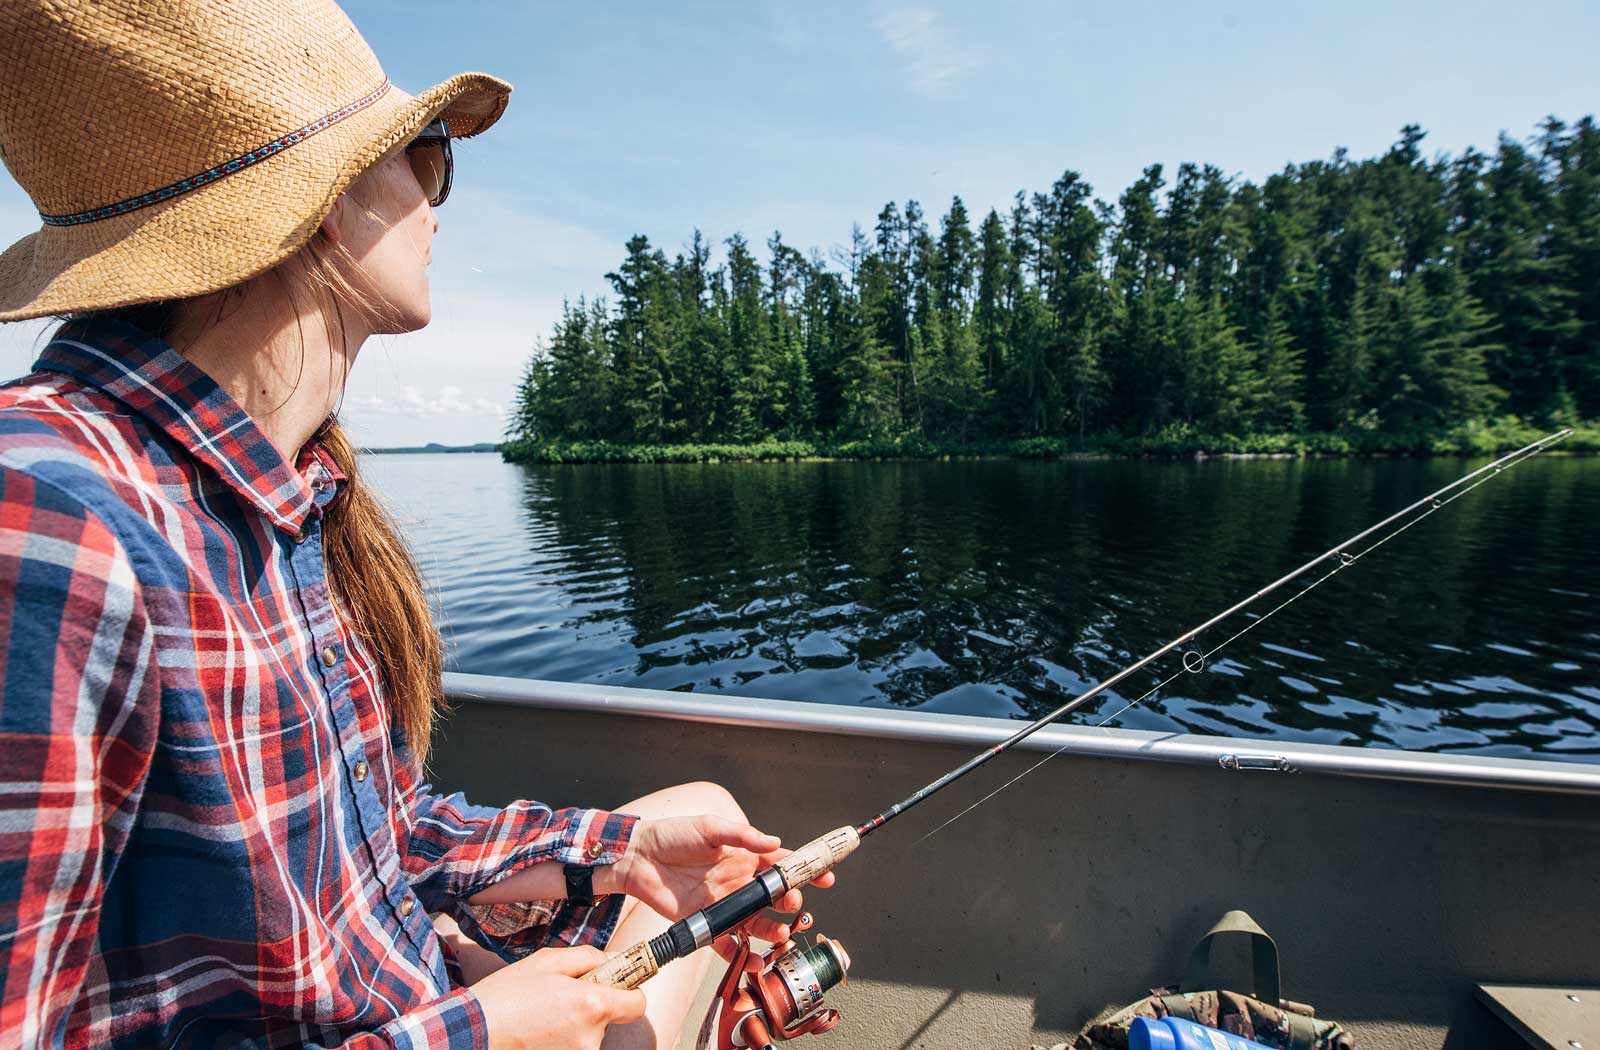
pixel 1262 1015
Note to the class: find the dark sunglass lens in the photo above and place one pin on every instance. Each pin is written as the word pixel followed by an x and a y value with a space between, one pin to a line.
pixel 430 165
pixel 449 171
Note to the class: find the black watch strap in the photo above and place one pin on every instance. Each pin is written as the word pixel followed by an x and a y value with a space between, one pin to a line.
pixel 580 884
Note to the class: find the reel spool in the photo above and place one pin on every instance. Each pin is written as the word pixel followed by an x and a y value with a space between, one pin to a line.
pixel 783 998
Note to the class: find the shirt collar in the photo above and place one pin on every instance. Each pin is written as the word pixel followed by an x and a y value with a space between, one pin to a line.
pixel 166 388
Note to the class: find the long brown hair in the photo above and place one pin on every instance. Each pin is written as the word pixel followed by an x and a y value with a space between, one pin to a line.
pixel 371 573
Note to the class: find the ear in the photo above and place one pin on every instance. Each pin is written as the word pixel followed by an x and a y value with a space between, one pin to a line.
pixel 332 224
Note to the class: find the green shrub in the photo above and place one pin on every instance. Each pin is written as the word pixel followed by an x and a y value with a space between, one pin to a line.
pixel 1175 440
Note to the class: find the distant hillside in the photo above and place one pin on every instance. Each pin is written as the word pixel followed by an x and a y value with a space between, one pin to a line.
pixel 434 446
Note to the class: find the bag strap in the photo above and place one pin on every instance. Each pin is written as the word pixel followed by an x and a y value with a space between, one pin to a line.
pixel 1263 953
pixel 1178 1006
pixel 1302 1031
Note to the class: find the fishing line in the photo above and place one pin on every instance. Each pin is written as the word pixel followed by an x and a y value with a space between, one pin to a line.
pixel 639 963
pixel 1202 660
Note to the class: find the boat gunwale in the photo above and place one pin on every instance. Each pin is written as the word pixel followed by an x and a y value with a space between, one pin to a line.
pixel 1254 756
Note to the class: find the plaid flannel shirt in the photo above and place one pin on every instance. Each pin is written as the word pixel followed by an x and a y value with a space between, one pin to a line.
pixel 210 832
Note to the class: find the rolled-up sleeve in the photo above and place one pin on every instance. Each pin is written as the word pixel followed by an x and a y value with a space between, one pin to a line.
pixel 458 849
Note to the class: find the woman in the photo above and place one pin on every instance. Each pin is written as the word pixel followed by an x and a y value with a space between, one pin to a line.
pixel 219 672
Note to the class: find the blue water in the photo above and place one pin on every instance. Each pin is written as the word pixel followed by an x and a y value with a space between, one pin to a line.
pixel 1004 588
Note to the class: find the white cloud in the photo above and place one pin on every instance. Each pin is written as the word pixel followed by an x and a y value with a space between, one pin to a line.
pixel 448 401
pixel 930 53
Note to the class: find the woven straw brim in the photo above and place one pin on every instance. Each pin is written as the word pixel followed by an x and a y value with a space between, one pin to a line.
pixel 235 228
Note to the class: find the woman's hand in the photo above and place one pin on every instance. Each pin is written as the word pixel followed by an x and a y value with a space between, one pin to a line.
pixel 538 1003
pixel 678 865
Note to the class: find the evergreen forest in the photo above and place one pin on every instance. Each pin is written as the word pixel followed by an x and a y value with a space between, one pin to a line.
pixel 1400 302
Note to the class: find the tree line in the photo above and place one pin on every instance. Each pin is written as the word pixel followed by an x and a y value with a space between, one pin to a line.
pixel 1401 295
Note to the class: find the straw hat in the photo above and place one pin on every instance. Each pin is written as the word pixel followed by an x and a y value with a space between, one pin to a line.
pixel 176 147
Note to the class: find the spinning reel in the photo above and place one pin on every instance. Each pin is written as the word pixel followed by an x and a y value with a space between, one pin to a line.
pixel 783 998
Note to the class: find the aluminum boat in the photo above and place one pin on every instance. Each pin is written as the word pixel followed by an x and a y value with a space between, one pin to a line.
pixel 1395 882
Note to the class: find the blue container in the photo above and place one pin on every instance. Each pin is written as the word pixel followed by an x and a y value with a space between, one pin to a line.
pixel 1174 1033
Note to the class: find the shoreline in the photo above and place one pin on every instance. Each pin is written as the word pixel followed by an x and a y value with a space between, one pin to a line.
pixel 1489 441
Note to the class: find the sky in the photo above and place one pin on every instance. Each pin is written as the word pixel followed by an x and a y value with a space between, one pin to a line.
pixel 754 116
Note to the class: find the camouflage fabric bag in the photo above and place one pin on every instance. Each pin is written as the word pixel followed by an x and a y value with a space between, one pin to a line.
pixel 1263 1015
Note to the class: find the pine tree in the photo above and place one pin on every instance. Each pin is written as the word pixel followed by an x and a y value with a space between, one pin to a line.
pixel 1456 339
pixel 957 261
pixel 791 407
pixel 753 379
pixel 992 308
pixel 1083 378
pixel 891 313
pixel 1217 385
pixel 528 420
pixel 1032 389
pixel 698 367
pixel 1572 162
pixel 1506 253
pixel 1145 382
pixel 644 334
pixel 1277 404
pixel 822 317
pixel 922 273
pixel 870 403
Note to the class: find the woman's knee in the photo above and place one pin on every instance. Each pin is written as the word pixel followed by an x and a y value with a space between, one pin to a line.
pixel 688 800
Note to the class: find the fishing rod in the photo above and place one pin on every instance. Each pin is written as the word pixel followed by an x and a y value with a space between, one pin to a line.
pixel 808 972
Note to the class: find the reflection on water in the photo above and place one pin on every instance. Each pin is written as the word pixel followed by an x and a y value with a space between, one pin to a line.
pixel 1004 588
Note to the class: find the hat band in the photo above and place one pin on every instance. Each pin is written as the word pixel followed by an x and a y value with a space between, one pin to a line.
pixel 221 171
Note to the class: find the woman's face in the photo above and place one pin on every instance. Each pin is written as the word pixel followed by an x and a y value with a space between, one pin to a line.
pixel 387 225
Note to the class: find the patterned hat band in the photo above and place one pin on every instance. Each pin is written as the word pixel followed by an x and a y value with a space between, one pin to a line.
pixel 223 170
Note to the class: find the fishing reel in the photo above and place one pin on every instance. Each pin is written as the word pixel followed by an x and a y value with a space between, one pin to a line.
pixel 781 999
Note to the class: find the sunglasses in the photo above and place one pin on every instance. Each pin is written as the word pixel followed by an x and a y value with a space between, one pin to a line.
pixel 429 154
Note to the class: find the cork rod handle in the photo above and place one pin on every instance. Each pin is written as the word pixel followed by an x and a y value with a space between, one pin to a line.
pixel 628 970
pixel 817 856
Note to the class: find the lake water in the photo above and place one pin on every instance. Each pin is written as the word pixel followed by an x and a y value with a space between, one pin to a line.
pixel 1004 588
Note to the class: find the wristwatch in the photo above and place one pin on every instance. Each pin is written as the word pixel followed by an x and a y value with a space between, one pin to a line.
pixel 580 884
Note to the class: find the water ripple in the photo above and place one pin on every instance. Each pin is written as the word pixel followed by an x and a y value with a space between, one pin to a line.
pixel 1006 588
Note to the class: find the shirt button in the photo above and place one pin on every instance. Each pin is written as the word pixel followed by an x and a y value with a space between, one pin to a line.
pixel 361 771
pixel 594 850
pixel 330 656
pixel 300 536
pixel 408 906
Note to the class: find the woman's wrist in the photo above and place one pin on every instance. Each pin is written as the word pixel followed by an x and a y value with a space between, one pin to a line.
pixel 544 881
pixel 547 881
pixel 608 878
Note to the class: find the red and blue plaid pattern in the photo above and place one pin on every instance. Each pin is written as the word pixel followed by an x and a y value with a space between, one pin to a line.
pixel 210 832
